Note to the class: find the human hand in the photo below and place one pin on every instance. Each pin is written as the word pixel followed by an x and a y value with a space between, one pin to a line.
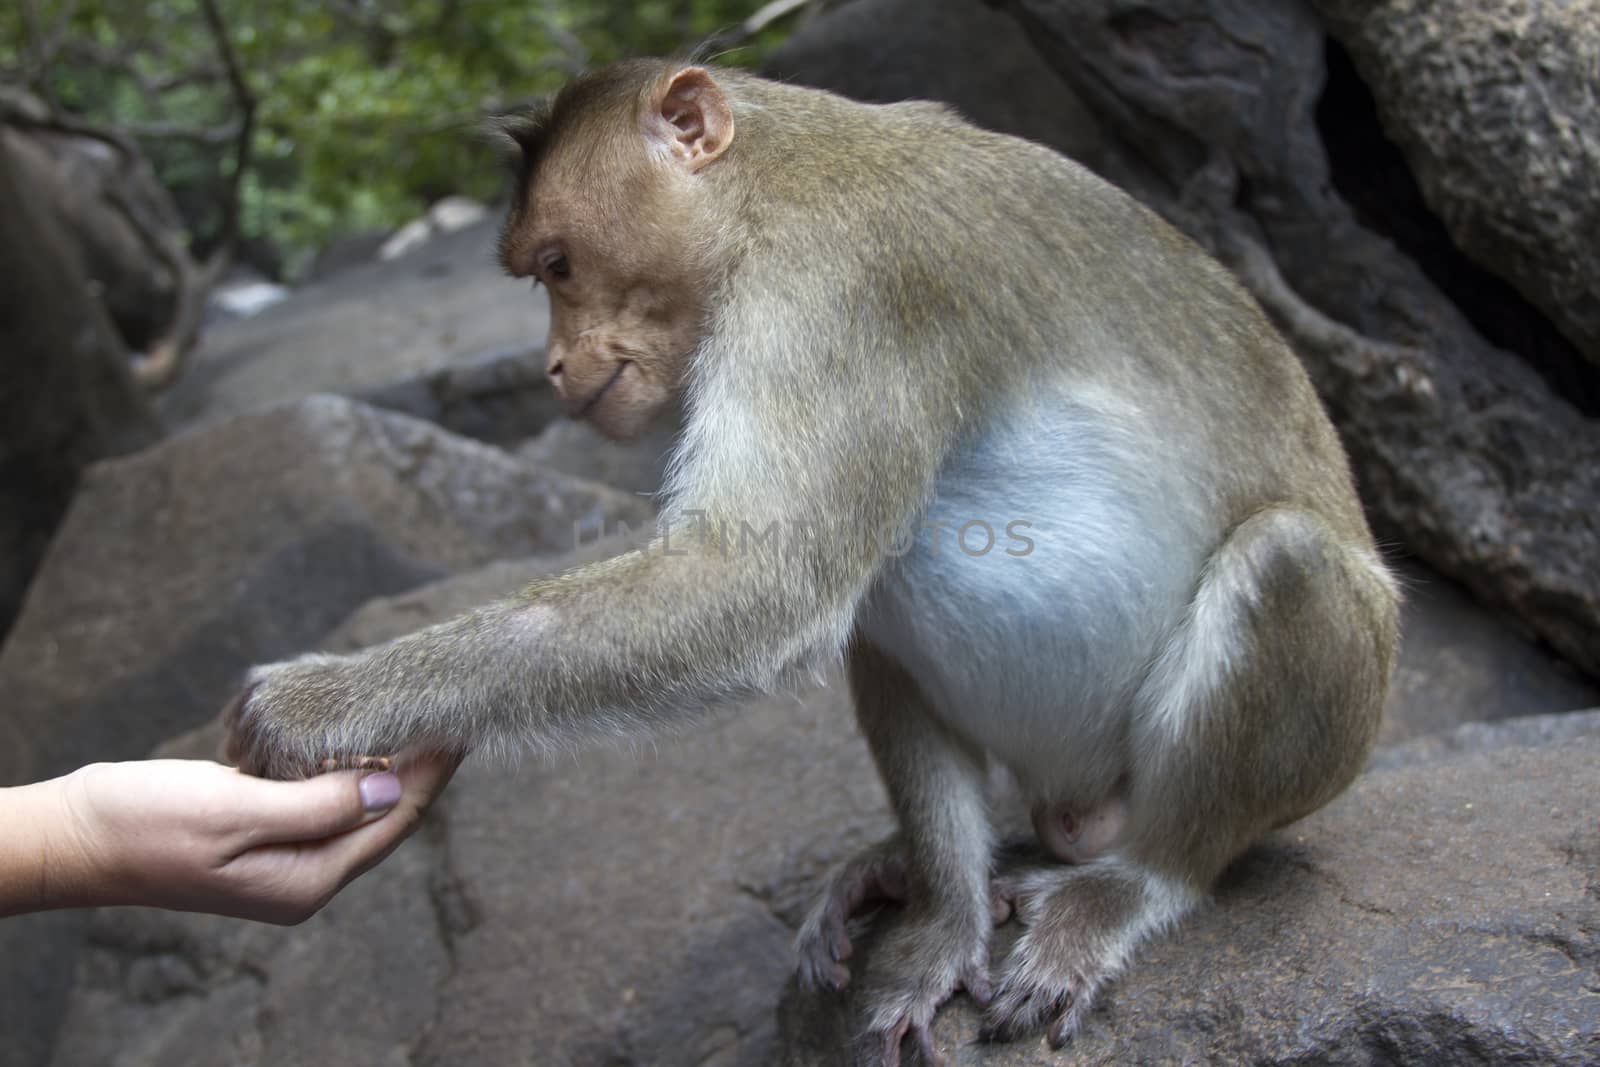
pixel 197 836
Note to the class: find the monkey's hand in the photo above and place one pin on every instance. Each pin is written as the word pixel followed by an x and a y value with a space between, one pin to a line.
pixel 303 716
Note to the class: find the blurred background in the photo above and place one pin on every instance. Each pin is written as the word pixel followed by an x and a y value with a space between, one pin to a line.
pixel 354 115
pixel 263 389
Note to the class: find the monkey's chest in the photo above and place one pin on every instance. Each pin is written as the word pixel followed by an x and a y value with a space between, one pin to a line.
pixel 1030 597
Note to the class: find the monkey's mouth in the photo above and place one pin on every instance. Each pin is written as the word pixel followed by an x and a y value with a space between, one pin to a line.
pixel 595 397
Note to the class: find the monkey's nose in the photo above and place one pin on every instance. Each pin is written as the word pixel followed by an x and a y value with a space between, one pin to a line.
pixel 554 369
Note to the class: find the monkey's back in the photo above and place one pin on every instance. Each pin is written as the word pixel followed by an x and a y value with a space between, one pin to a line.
pixel 1084 291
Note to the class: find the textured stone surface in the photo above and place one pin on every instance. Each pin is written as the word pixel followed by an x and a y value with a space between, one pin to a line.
pixel 501 397
pixel 1497 109
pixel 960 52
pixel 1443 911
pixel 1460 663
pixel 178 568
pixel 622 906
pixel 576 448
pixel 369 326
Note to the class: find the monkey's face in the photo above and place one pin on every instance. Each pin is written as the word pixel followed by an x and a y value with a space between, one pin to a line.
pixel 626 304
pixel 614 218
pixel 619 341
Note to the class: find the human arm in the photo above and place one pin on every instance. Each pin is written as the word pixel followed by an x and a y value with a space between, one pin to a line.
pixel 197 836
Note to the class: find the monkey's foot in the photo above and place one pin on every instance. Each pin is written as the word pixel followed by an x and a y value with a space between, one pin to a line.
pixel 876 875
pixel 924 960
pixel 1083 924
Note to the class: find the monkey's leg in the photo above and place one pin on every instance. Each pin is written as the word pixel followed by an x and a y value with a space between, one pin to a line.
pixel 1261 708
pixel 936 783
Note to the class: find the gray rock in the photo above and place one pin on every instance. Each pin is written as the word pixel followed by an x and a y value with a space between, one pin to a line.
pixel 342 253
pixel 965 54
pixel 367 327
pixel 576 448
pixel 1441 912
pixel 159 987
pixel 178 568
pixel 1531 731
pixel 1459 662
pixel 501 397
pixel 446 216
pixel 619 906
pixel 1497 109
pixel 241 298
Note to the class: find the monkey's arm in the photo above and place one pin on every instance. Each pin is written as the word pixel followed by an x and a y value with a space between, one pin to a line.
pixel 632 642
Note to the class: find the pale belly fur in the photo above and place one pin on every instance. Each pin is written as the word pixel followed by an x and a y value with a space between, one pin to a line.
pixel 1034 652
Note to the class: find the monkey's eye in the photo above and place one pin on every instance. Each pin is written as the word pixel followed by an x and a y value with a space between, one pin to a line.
pixel 558 267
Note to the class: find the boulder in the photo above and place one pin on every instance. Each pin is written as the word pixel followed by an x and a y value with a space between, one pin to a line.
pixel 446 216
pixel 501 397
pixel 367 327
pixel 344 252
pixel 969 55
pixel 1495 108
pixel 1444 910
pixel 1460 663
pixel 245 292
pixel 577 448
pixel 178 568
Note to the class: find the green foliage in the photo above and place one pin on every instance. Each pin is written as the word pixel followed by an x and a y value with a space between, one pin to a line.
pixel 368 109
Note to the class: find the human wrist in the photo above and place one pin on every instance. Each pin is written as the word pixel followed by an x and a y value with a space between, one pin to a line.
pixel 48 856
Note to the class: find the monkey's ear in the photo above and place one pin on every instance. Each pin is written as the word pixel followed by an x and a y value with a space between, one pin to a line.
pixel 689 118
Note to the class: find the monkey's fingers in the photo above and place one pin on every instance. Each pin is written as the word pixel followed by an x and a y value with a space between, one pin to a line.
pixel 356 763
pixel 232 716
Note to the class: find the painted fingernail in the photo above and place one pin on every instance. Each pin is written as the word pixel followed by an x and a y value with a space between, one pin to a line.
pixel 379 791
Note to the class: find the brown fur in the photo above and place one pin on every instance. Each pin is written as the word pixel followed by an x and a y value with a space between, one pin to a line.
pixel 855 302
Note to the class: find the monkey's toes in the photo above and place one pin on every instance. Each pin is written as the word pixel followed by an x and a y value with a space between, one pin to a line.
pixel 875 877
pixel 822 948
pixel 1024 1005
pixel 881 1048
pixel 355 763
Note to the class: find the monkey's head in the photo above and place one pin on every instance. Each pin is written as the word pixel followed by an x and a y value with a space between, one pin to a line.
pixel 611 213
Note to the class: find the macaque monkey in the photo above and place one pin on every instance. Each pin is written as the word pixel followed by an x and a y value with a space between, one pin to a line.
pixel 891 332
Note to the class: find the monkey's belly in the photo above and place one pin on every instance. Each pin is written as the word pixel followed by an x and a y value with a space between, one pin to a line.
pixel 1032 646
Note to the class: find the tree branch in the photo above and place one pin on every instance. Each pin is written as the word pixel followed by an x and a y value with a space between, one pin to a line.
pixel 45 47
pixel 167 356
pixel 243 153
